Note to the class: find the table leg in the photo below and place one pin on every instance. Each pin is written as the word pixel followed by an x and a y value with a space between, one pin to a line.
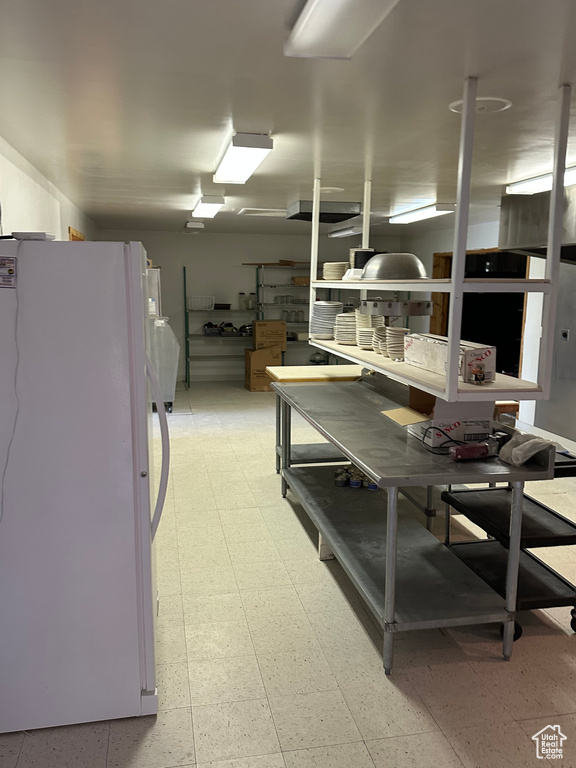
pixel 447 520
pixel 324 551
pixel 513 565
pixel 278 433
pixel 429 511
pixel 390 585
pixel 286 438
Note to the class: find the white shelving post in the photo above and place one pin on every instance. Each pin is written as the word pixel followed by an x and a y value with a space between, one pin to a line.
pixel 460 235
pixel 555 232
pixel 314 244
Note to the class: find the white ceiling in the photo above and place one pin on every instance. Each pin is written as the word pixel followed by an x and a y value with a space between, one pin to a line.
pixel 126 105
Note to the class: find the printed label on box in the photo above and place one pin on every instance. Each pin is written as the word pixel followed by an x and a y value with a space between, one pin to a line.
pixel 7 271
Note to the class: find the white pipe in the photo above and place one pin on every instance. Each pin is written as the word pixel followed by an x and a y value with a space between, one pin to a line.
pixel 460 235
pixel 555 232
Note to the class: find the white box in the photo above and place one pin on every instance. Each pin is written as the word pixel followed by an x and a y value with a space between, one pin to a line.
pixel 430 352
pixel 464 422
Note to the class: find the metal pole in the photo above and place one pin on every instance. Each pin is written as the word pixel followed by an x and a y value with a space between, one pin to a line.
pixel 390 585
pixel 513 565
pixel 286 440
pixel 460 235
pixel 555 232
pixel 278 433
pixel 315 241
pixel 366 208
pixel 429 511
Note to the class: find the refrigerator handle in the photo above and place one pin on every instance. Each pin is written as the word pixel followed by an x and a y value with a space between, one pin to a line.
pixel 157 396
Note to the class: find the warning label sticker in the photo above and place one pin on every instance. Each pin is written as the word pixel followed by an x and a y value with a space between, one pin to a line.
pixel 7 271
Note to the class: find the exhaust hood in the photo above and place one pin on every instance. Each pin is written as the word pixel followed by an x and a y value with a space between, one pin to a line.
pixel 524 224
pixel 330 212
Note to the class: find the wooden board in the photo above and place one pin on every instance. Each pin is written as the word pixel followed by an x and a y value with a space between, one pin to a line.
pixel 295 374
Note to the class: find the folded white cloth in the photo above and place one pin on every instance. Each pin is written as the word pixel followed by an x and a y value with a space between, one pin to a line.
pixel 521 447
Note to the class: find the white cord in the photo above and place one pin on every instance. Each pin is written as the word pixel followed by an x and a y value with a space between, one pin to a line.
pixel 16 369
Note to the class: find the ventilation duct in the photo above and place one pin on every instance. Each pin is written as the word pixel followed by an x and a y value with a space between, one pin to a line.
pixel 330 212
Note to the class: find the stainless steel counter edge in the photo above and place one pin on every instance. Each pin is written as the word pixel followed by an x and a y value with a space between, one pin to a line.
pixel 348 414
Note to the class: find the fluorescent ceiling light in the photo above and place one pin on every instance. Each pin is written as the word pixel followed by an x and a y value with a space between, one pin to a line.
pixel 347 232
pixel 335 29
pixel 419 214
pixel 208 206
pixel 539 183
pixel 244 154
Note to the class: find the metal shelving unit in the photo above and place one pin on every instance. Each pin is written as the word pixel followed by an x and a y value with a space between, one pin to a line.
pixel 448 387
pixel 539 586
pixel 214 347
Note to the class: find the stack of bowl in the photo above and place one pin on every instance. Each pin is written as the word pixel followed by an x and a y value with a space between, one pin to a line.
pixel 334 270
pixel 345 329
pixel 379 340
pixel 395 342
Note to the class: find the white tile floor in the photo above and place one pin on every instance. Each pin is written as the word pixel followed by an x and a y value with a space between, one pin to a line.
pixel 266 657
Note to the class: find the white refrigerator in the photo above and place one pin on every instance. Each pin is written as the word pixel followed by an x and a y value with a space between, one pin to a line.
pixel 78 505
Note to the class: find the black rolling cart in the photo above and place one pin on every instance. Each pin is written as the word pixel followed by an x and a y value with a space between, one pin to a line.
pixel 539 585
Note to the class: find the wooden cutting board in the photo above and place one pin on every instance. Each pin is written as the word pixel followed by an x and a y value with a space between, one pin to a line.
pixel 294 374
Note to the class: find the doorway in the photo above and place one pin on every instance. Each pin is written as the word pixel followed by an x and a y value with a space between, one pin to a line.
pixel 495 319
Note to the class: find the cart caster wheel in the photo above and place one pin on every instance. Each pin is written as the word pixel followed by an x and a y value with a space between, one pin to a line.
pixel 517 630
pixel 168 407
pixel 573 625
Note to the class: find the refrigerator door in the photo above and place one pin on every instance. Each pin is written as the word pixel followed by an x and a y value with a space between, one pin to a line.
pixel 76 562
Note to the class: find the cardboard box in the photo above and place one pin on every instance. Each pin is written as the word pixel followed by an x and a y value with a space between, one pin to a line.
pixel 424 350
pixel 301 280
pixel 467 422
pixel 269 333
pixel 256 361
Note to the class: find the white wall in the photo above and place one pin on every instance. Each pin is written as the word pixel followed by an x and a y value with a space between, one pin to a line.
pixel 428 242
pixel 31 203
pixel 214 268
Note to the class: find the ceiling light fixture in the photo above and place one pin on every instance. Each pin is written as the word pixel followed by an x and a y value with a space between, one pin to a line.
pixel 335 29
pixel 346 232
pixel 419 214
pixel 244 154
pixel 208 206
pixel 539 183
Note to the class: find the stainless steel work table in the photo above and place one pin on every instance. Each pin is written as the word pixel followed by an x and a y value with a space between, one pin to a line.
pixel 408 579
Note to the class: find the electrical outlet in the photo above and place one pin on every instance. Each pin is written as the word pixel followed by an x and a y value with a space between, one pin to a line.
pixel 565 334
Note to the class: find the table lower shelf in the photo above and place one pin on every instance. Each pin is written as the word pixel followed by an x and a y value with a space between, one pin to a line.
pixel 539 586
pixel 314 453
pixel 433 587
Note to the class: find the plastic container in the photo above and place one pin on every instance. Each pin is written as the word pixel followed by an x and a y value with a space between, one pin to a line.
pixel 200 303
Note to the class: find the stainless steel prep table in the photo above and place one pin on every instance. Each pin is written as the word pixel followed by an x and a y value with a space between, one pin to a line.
pixel 349 415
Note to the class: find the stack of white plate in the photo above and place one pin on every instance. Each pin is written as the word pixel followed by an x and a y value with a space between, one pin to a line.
pixel 335 270
pixel 323 319
pixel 345 329
pixel 379 340
pixel 395 342
pixel 364 337
pixel 368 321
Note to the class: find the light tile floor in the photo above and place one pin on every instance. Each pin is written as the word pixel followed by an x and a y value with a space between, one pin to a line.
pixel 266 657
